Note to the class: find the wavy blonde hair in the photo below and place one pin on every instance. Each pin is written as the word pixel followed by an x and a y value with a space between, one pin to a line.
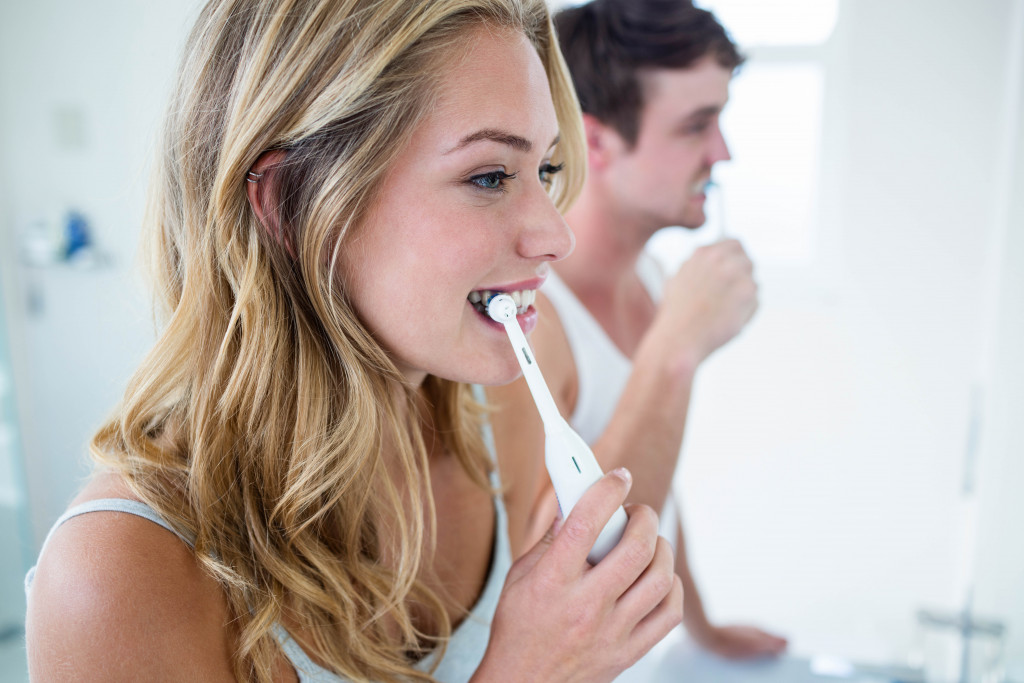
pixel 255 424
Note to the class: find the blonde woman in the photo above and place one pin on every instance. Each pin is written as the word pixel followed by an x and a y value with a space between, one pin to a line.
pixel 298 484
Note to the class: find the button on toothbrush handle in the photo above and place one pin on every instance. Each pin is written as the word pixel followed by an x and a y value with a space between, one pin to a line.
pixel 573 469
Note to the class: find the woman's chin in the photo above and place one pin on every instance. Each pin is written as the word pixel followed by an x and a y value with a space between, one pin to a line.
pixel 506 379
pixel 497 372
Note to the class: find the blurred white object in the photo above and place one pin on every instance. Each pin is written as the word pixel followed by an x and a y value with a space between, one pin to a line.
pixel 39 239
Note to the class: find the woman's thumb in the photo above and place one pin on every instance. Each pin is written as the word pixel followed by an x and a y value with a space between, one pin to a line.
pixel 529 559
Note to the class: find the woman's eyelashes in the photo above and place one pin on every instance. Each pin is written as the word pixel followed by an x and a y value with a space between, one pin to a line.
pixel 548 170
pixel 496 181
pixel 493 180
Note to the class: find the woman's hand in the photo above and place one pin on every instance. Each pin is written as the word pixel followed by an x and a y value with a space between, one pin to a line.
pixel 561 619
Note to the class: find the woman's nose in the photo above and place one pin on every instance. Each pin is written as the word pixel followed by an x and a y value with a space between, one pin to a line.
pixel 545 234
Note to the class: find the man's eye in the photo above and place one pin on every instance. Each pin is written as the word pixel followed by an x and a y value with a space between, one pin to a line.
pixel 547 171
pixel 495 180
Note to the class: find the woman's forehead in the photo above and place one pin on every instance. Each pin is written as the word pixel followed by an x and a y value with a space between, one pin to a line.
pixel 498 83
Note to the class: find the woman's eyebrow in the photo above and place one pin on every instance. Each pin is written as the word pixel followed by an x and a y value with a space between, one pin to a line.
pixel 516 142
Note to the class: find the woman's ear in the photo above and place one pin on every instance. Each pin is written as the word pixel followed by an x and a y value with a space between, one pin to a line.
pixel 261 188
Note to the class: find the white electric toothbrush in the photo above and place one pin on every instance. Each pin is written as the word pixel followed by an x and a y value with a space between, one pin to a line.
pixel 712 188
pixel 570 462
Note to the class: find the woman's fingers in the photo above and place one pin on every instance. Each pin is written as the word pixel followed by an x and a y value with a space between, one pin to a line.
pixel 567 555
pixel 666 615
pixel 653 586
pixel 568 621
pixel 528 560
pixel 633 554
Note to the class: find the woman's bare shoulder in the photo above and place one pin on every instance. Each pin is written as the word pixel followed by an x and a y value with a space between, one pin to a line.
pixel 116 596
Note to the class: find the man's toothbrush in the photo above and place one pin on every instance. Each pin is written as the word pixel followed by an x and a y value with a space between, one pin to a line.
pixel 570 462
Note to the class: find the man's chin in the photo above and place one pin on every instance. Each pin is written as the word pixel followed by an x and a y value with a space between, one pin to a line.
pixel 693 220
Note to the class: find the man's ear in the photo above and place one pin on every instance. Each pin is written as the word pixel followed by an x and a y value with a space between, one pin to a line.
pixel 603 143
pixel 261 188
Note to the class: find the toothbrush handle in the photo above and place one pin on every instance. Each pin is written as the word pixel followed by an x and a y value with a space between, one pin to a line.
pixel 573 469
pixel 570 462
pixel 531 372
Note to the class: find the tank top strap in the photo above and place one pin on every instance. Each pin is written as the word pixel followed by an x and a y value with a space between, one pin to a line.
pixel 487 432
pixel 131 507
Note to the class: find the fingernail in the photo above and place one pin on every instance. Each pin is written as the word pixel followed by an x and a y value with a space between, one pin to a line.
pixel 623 474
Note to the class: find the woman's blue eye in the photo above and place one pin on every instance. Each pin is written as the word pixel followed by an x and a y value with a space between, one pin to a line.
pixel 547 171
pixel 495 180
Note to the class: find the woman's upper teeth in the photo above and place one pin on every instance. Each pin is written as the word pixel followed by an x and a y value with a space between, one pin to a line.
pixel 523 298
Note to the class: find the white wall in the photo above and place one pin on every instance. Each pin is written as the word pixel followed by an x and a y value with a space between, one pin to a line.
pixel 104 70
pixel 1001 552
pixel 824 458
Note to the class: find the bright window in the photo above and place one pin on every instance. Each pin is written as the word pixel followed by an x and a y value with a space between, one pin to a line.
pixel 776 22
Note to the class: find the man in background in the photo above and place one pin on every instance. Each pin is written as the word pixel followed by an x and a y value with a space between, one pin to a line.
pixel 619 343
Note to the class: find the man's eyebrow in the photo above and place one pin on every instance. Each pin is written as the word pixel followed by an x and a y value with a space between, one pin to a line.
pixel 516 142
pixel 704 112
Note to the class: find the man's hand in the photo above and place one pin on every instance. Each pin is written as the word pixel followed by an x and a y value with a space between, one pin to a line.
pixel 709 300
pixel 731 642
pixel 739 642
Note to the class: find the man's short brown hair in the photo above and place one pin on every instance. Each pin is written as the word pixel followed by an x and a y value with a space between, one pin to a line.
pixel 609 44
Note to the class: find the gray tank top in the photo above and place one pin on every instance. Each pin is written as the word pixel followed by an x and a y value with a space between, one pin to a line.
pixel 467 644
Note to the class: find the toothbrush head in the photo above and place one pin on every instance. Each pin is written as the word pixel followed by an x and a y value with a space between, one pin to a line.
pixel 501 308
